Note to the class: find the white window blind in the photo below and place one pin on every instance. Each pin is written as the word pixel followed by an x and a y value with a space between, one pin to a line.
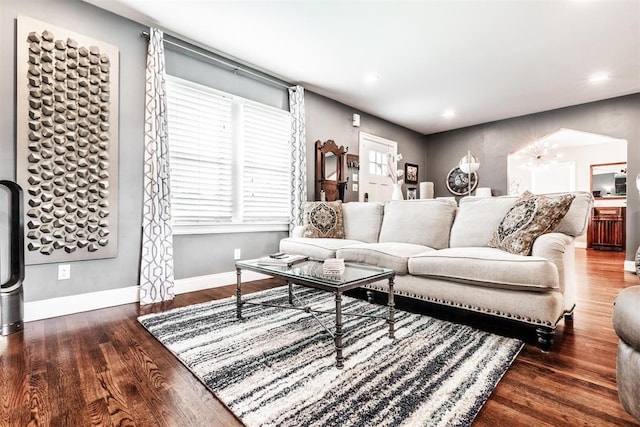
pixel 266 171
pixel 230 159
pixel 199 126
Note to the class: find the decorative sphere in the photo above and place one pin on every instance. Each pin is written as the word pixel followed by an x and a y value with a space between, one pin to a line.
pixel 467 166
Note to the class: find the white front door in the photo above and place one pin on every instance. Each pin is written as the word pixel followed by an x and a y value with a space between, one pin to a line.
pixel 375 183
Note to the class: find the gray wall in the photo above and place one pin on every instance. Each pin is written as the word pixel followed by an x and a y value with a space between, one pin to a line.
pixel 199 69
pixel 492 142
pixel 202 254
pixel 195 255
pixel 329 119
pixel 86 276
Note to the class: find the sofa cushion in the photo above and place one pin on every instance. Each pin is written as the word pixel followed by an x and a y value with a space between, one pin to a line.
pixel 626 323
pixel 477 219
pixel 626 316
pixel 319 248
pixel 488 267
pixel 392 255
pixel 323 219
pixel 362 221
pixel 574 223
pixel 627 378
pixel 530 217
pixel 421 222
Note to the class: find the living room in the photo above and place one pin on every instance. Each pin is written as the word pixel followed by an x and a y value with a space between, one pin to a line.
pixel 201 260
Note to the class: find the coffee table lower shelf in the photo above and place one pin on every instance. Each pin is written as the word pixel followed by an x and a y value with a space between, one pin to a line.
pixel 308 274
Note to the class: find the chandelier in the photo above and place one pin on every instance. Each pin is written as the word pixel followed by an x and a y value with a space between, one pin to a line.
pixel 540 154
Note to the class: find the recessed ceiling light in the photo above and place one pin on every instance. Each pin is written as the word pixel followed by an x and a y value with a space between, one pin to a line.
pixel 599 77
pixel 449 113
pixel 371 78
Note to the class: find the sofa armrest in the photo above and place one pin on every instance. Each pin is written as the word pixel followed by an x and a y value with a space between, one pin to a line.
pixel 626 323
pixel 298 231
pixel 551 245
pixel 559 248
pixel 626 317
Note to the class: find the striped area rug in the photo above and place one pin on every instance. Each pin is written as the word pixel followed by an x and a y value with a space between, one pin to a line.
pixel 276 367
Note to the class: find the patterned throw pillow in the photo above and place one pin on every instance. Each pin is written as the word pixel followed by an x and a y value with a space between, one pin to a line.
pixel 529 218
pixel 323 219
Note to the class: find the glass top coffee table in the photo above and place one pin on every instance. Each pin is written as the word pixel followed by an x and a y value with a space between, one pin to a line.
pixel 310 274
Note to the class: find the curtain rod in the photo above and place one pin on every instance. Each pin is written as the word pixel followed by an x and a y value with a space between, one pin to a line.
pixel 235 67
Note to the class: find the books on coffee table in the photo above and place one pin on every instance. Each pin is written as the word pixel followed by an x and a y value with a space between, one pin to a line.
pixel 282 260
pixel 333 266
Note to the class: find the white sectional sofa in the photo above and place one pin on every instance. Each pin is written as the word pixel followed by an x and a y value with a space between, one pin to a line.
pixel 441 254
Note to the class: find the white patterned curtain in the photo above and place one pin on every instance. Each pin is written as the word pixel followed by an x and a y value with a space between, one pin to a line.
pixel 156 261
pixel 298 155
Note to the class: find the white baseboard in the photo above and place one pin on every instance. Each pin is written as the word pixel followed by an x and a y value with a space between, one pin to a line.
pixel 192 284
pixel 581 245
pixel 62 306
pixel 630 266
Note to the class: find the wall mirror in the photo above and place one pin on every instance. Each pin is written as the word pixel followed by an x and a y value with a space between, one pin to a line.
pixel 609 180
pixel 330 171
pixel 330 166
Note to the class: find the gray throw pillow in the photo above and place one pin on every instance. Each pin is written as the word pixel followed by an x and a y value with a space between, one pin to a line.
pixel 323 219
pixel 530 217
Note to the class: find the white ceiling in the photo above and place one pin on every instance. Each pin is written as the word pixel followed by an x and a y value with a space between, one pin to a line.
pixel 485 59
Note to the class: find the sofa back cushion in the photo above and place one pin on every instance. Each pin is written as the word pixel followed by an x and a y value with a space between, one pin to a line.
pixel 478 218
pixel 362 221
pixel 530 217
pixel 576 220
pixel 421 222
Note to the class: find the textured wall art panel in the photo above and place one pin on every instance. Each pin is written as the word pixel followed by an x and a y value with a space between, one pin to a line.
pixel 67 143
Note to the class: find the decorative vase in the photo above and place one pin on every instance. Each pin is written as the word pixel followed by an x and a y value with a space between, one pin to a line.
pixel 397 192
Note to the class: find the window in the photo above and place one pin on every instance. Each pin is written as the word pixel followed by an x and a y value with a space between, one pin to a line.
pixel 377 163
pixel 230 160
pixel 266 170
pixel 199 126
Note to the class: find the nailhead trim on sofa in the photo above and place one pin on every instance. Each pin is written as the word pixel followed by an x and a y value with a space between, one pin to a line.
pixel 466 306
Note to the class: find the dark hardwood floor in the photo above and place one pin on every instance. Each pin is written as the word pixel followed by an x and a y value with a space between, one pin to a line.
pixel 103 368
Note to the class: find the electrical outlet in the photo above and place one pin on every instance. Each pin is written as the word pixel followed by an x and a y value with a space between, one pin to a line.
pixel 236 254
pixel 64 271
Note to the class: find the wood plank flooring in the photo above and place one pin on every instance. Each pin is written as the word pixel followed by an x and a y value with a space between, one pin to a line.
pixel 102 368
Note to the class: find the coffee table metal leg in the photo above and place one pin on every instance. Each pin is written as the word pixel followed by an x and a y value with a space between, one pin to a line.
pixel 391 310
pixel 238 293
pixel 338 339
pixel 290 292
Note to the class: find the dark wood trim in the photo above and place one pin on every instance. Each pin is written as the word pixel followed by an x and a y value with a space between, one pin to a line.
pixel 607 228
